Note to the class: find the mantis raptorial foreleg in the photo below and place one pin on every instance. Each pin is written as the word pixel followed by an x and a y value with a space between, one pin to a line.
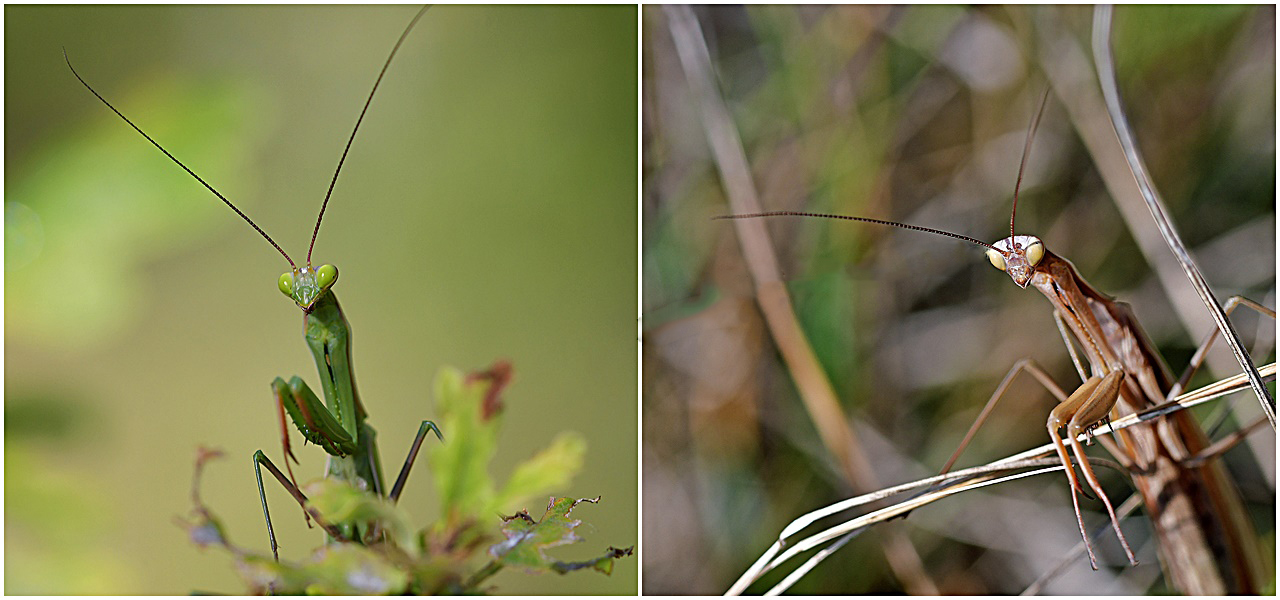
pixel 318 425
pixel 1082 411
pixel 315 422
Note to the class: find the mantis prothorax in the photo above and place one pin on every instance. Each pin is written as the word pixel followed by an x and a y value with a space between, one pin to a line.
pixel 1196 512
pixel 339 424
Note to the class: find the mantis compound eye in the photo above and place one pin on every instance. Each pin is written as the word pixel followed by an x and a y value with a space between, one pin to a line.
pixel 286 284
pixel 1035 252
pixel 997 260
pixel 326 276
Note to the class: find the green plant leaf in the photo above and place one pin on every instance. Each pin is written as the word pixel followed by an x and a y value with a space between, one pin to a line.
pixel 459 466
pixel 342 503
pixel 347 569
pixel 470 410
pixel 353 569
pixel 528 540
pixel 400 559
pixel 549 469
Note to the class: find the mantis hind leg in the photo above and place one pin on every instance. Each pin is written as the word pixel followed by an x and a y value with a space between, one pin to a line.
pixel 413 455
pixel 1219 447
pixel 1198 359
pixel 1203 350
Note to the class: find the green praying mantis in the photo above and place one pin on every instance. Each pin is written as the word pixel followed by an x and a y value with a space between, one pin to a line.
pixel 338 425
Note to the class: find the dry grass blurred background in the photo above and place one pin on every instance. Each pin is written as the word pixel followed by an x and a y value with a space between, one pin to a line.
pixel 486 211
pixel 918 114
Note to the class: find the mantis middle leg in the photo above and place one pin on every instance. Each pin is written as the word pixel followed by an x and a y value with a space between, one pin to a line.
pixel 413 455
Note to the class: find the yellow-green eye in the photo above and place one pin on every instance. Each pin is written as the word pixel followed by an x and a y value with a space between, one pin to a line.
pixel 1035 252
pixel 286 284
pixel 997 259
pixel 326 275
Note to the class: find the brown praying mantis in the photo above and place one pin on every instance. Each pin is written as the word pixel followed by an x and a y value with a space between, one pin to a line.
pixel 1205 538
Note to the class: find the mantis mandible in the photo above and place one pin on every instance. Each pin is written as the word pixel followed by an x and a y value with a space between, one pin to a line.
pixel 338 425
pixel 1205 539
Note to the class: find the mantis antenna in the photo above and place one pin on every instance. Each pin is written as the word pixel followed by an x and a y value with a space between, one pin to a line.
pixel 1026 150
pixel 368 101
pixel 224 199
pixel 175 159
pixel 792 213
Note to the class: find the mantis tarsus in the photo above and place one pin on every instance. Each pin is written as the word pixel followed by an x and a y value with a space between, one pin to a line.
pixel 1206 541
pixel 338 425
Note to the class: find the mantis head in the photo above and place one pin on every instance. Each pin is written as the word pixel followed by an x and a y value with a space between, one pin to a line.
pixel 1018 256
pixel 305 285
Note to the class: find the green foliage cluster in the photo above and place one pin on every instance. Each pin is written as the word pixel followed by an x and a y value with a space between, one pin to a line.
pixel 456 554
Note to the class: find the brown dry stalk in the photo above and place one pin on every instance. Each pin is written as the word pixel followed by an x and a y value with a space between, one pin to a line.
pixel 775 302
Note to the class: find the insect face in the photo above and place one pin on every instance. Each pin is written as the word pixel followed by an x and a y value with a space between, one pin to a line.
pixel 1017 256
pixel 306 284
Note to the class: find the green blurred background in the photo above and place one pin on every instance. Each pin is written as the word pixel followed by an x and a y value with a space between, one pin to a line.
pixel 486 211
pixel 919 114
